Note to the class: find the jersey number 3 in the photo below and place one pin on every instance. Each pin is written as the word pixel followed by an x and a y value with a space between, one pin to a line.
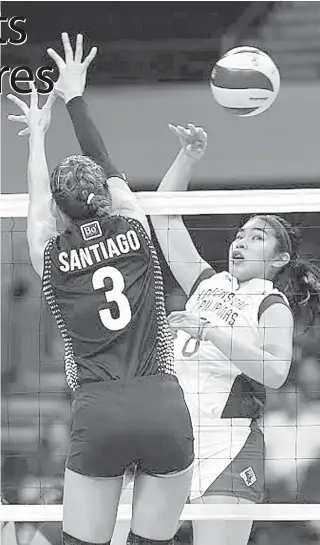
pixel 115 295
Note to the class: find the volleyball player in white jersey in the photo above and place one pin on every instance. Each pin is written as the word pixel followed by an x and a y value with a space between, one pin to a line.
pixel 233 340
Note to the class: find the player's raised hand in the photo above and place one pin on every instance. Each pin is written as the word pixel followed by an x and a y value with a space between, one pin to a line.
pixel 34 117
pixel 193 139
pixel 72 70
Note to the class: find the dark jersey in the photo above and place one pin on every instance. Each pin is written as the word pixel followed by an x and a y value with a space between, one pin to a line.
pixel 103 283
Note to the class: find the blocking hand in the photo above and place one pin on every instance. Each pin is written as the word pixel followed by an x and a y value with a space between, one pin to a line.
pixel 72 70
pixel 34 117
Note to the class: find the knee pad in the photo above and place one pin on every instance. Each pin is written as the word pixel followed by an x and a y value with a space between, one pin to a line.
pixel 70 540
pixel 133 539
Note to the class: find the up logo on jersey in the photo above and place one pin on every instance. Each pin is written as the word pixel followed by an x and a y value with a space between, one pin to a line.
pixel 91 230
pixel 248 475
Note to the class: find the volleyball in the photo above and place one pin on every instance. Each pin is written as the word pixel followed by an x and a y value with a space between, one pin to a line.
pixel 245 81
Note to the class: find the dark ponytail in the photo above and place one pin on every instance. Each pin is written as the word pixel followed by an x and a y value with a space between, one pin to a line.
pixel 299 280
pixel 79 187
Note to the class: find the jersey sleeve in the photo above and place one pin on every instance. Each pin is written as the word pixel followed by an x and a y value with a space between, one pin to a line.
pixel 88 136
pixel 207 273
pixel 270 300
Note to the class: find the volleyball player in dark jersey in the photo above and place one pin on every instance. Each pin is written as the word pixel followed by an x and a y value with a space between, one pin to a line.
pixel 102 281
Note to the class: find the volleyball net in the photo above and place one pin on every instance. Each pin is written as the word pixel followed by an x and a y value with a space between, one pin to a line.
pixel 36 403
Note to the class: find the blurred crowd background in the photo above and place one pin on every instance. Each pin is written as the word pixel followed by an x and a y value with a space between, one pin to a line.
pixel 143 45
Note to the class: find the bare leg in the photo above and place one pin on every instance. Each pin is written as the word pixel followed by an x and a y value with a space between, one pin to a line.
pixel 158 503
pixel 90 506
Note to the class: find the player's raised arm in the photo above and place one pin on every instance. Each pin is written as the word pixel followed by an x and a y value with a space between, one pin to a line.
pixel 71 86
pixel 41 222
pixel 176 244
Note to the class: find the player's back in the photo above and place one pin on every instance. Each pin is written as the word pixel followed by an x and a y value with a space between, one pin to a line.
pixel 100 280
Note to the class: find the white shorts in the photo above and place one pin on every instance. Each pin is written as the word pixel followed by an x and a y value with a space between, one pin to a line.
pixel 217 443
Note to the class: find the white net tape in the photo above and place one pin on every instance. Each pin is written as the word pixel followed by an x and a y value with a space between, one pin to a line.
pixel 191 203
pixel 46 513
pixel 201 202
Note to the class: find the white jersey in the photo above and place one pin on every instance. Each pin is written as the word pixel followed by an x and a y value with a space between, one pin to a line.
pixel 221 400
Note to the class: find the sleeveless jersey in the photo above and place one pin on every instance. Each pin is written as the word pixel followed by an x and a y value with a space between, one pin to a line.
pixel 103 283
pixel 213 386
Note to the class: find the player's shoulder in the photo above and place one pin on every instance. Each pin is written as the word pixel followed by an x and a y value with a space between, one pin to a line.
pixel 132 224
pixel 271 299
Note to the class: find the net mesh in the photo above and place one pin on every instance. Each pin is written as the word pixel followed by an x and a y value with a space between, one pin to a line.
pixel 36 401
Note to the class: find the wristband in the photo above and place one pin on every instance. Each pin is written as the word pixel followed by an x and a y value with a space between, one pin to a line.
pixel 201 335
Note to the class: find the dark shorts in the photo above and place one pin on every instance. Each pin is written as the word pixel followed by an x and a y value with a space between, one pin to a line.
pixel 245 476
pixel 144 421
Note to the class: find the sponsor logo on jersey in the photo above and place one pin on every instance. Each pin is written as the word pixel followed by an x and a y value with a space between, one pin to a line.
pixel 248 475
pixel 91 230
